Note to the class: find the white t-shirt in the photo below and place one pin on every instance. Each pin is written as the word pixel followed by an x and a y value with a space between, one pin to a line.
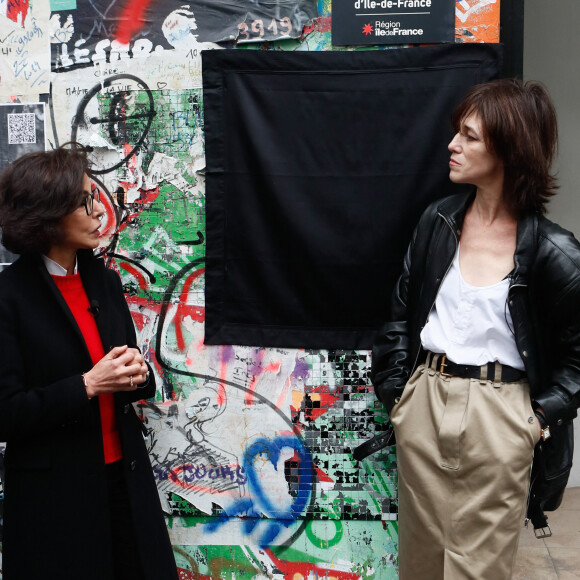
pixel 472 325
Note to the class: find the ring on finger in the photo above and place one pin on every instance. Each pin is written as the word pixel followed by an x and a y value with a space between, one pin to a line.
pixel 131 381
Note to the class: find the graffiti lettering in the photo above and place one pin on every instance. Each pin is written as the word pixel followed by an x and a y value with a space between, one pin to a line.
pixel 255 30
pixel 190 473
pixel 124 117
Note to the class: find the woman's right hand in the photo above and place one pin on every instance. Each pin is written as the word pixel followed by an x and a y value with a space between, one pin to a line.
pixel 121 369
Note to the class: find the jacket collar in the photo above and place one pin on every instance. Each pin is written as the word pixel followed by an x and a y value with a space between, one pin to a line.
pixel 453 209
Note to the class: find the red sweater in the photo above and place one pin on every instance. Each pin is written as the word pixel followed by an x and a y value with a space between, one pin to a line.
pixel 73 291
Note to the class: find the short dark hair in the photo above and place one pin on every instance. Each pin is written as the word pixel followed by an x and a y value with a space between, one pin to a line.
pixel 520 127
pixel 36 192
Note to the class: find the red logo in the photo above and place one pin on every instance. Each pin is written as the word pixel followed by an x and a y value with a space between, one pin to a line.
pixel 367 29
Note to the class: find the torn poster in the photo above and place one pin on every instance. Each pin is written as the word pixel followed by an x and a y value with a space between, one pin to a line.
pixel 115 32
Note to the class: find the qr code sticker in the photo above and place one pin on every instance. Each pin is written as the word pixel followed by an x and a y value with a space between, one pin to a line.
pixel 21 128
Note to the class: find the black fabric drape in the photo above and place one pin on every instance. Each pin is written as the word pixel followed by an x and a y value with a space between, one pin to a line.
pixel 318 167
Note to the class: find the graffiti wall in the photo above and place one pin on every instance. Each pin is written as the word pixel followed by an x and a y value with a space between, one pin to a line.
pixel 251 447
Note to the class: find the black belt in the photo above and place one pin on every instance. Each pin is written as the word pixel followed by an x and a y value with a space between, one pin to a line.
pixel 377 443
pixel 492 371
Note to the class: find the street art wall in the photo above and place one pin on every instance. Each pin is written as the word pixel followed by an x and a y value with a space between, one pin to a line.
pixel 251 447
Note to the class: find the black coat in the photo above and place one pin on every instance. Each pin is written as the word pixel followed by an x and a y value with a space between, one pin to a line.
pixel 56 522
pixel 544 303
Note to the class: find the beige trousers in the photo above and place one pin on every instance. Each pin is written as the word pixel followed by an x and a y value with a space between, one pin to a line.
pixel 464 452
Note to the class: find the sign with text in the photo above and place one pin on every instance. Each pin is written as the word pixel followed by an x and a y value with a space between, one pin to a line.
pixel 361 22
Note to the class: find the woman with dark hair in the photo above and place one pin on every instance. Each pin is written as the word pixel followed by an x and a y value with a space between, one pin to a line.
pixel 80 496
pixel 479 362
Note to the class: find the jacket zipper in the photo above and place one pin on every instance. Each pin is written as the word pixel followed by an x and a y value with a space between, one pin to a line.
pixel 526 518
pixel 440 282
pixel 517 285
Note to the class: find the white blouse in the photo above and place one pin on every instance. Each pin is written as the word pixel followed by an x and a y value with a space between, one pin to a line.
pixel 471 324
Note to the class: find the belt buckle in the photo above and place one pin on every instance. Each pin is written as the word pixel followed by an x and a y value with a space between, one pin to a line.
pixel 544 532
pixel 442 366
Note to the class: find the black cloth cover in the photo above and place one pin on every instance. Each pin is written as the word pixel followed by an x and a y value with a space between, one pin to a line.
pixel 318 167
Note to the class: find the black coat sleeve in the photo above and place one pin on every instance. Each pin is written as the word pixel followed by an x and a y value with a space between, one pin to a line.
pixel 28 410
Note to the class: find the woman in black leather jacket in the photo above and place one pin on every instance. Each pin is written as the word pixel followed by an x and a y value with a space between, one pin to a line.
pixel 479 363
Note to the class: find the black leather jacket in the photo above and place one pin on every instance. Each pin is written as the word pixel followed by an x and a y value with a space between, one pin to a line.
pixel 543 300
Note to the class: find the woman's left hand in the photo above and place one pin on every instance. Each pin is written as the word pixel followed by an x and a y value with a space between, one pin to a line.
pixel 138 359
pixel 539 411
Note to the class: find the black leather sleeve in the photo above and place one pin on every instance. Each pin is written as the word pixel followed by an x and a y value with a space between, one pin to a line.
pixel 559 270
pixel 390 368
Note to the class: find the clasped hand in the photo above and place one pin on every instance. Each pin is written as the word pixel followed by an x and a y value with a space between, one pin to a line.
pixel 121 369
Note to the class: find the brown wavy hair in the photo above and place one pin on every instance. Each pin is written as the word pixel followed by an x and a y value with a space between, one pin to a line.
pixel 36 192
pixel 520 127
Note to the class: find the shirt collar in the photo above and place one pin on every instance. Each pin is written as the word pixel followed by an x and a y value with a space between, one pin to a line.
pixel 55 269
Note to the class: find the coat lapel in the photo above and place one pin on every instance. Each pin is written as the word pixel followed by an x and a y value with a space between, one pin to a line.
pixel 92 275
pixel 55 292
